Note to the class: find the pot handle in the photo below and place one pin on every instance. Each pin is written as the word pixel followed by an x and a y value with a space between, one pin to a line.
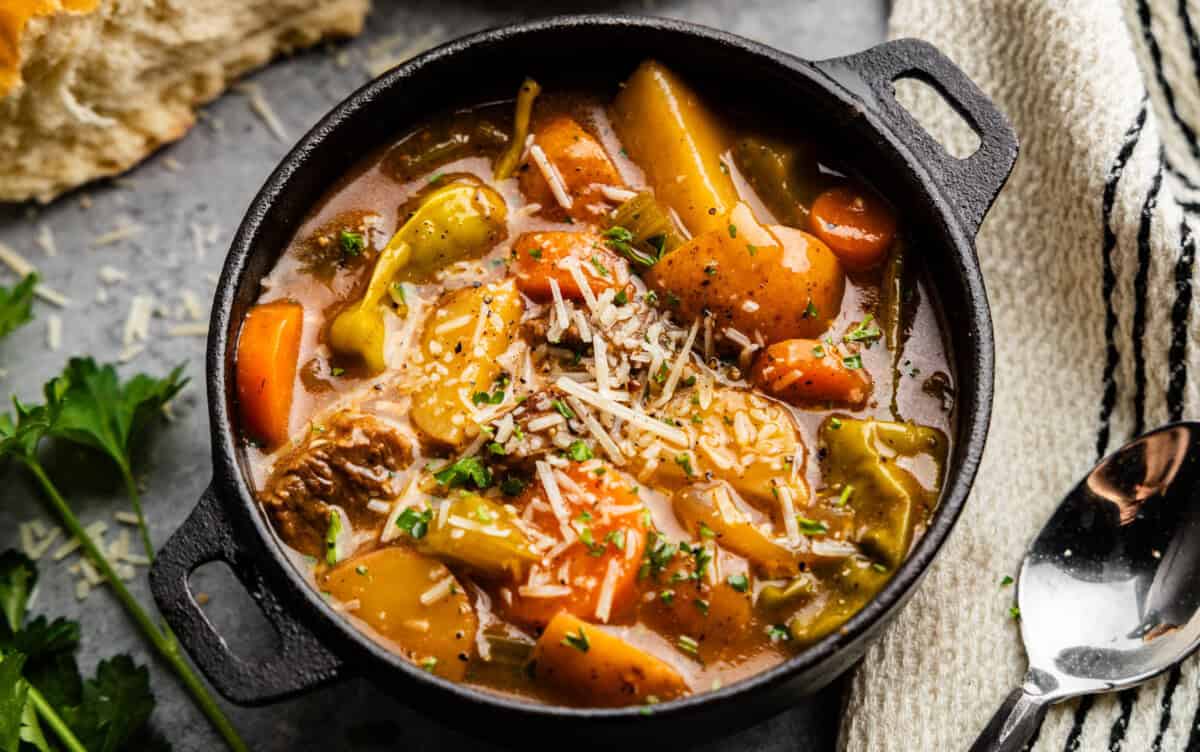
pixel 969 184
pixel 301 663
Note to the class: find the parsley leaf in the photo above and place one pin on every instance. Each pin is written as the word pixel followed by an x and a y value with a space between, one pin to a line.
pixel 89 405
pixel 16 304
pixel 738 582
pixel 621 240
pixel 465 471
pixel 580 451
pixel 414 522
pixel 352 243
pixel 578 641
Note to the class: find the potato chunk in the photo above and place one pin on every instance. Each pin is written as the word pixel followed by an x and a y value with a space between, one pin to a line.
pixel 596 668
pixel 774 281
pixel 458 364
pixel 678 143
pixel 413 601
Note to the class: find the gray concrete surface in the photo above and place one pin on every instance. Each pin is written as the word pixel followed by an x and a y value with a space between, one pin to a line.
pixel 208 178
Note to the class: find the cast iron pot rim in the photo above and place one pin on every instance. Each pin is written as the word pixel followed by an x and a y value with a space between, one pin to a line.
pixel 974 425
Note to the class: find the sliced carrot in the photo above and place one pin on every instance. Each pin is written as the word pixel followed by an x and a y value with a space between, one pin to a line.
pixel 537 257
pixel 615 539
pixel 268 349
pixel 598 668
pixel 856 225
pixel 579 161
pixel 804 371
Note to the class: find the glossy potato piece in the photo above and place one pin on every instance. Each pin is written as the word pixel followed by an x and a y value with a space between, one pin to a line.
pixel 480 534
pixel 805 372
pixel 739 437
pixel 717 506
pixel 608 673
pixel 888 501
pixel 580 161
pixel 388 584
pixel 537 257
pixel 457 365
pixel 715 616
pixel 678 143
pixel 777 282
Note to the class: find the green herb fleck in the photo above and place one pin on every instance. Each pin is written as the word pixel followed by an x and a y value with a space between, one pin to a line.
pixel 580 451
pixel 468 470
pixel 779 633
pixel 561 408
pixel 415 522
pixel 811 527
pixel 352 243
pixel 331 537
pixel 844 496
pixel 853 362
pixel 738 582
pixel 578 641
pixel 1006 581
pixel 687 644
pixel 684 461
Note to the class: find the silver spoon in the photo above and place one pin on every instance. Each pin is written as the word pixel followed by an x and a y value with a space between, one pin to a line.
pixel 1109 592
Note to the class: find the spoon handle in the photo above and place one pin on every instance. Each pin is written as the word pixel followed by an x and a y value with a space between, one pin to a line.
pixel 1013 724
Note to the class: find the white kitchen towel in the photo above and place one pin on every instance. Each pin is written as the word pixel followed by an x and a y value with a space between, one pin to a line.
pixel 1088 255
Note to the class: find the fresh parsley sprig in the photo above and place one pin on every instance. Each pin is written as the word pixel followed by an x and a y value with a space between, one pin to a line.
pixel 16 304
pixel 87 404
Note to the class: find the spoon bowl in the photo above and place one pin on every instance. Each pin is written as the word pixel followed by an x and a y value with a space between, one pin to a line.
pixel 1109 591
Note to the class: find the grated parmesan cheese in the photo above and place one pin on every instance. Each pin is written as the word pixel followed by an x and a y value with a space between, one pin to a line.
pixel 196 329
pixel 607 589
pixel 54 331
pixel 612 407
pixel 262 108
pixel 137 321
pixel 553 178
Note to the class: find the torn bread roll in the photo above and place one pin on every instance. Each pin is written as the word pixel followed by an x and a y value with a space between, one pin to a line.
pixel 90 87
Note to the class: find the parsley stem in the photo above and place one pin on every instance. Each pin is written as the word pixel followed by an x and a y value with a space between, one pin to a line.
pixel 54 721
pixel 134 498
pixel 163 640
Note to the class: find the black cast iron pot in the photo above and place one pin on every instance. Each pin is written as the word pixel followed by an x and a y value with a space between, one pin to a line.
pixel 849 101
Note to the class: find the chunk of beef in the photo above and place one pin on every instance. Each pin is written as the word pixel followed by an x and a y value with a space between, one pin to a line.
pixel 346 461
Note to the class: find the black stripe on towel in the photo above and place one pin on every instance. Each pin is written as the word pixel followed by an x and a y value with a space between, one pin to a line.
pixel 1140 282
pixel 1189 135
pixel 1164 720
pixel 1180 319
pixel 1116 737
pixel 1109 281
pixel 1112 356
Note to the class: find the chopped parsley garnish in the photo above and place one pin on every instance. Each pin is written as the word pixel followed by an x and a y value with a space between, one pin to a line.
pixel 337 371
pixel 621 298
pixel 415 522
pixel 1014 612
pixel 352 243
pixel 852 362
pixel 687 644
pixel 810 311
pixel 361 569
pixel 396 291
pixel 465 471
pixel 1006 581
pixel 332 533
pixel 658 555
pixel 811 527
pixel 684 461
pixel 617 538
pixel 667 596
pixel 483 398
pixel 835 423
pixel 751 249
pixel 672 299
pixel 483 514
pixel 866 332
pixel 429 664
pixel 578 641
pixel 621 240
pixel 732 231
pixel 535 253
pixel 779 633
pixel 651 298
pixel 512 485
pixel 690 381
pixel 580 451
pixel 738 582
pixel 701 605
pixel 844 496
pixel 818 351
pixel 599 266
pixel 561 408
pixel 707 532
pixel 710 268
